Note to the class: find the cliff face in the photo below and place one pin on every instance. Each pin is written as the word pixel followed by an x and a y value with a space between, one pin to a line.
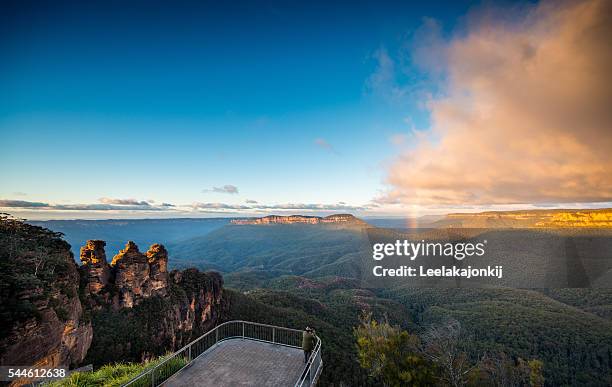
pixel 94 262
pixel 197 305
pixel 55 313
pixel 589 219
pixel 143 310
pixel 157 257
pixel 43 323
pixel 341 218
pixel 276 219
pixel 558 218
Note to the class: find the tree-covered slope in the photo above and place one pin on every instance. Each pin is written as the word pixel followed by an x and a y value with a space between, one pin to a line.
pixel 332 312
pixel 311 250
pixel 41 314
pixel 575 345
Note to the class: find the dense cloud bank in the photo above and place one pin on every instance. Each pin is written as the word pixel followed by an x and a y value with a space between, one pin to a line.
pixel 525 115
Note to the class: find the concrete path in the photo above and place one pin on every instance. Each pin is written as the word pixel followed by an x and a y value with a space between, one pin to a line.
pixel 240 362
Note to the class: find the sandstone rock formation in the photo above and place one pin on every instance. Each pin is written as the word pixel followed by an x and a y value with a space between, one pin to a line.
pixel 131 271
pixel 157 256
pixel 145 318
pixel 135 276
pixel 57 314
pixel 94 262
pixel 276 219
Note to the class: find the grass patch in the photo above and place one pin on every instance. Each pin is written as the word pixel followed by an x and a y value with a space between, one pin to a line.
pixel 115 375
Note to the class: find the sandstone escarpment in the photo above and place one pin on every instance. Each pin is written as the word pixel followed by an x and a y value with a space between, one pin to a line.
pixel 554 218
pixel 43 322
pixel 275 219
pixel 341 218
pixel 588 219
pixel 293 219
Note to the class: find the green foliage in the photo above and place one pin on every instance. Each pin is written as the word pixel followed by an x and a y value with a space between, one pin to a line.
pixel 564 328
pixel 574 345
pixel 250 279
pixel 128 334
pixel 288 310
pixel 596 301
pixel 399 358
pixel 301 275
pixel 310 250
pixel 117 374
pixel 36 268
pixel 332 306
pixel 131 334
pixel 392 355
pixel 498 369
pixel 536 374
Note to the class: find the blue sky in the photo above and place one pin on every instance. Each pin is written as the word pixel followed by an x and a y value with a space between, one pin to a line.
pixel 159 102
pixel 152 101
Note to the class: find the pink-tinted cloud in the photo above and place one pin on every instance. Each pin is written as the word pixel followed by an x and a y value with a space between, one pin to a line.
pixel 526 115
pixel 323 144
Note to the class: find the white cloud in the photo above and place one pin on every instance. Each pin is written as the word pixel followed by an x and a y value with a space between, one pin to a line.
pixel 107 205
pixel 275 207
pixel 128 202
pixel 525 116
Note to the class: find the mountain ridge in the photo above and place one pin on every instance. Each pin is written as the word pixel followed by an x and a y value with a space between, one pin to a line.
pixel 541 218
pixel 307 219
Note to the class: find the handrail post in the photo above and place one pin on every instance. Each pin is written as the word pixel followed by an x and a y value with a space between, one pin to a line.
pixel 243 329
pixel 153 378
pixel 216 335
pixel 190 352
pixel 273 335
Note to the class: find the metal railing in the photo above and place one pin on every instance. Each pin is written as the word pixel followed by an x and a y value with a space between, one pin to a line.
pixel 313 367
pixel 236 329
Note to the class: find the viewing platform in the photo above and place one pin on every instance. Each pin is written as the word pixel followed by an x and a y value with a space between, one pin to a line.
pixel 238 353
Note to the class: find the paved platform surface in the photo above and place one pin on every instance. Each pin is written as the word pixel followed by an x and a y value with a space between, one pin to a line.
pixel 239 362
